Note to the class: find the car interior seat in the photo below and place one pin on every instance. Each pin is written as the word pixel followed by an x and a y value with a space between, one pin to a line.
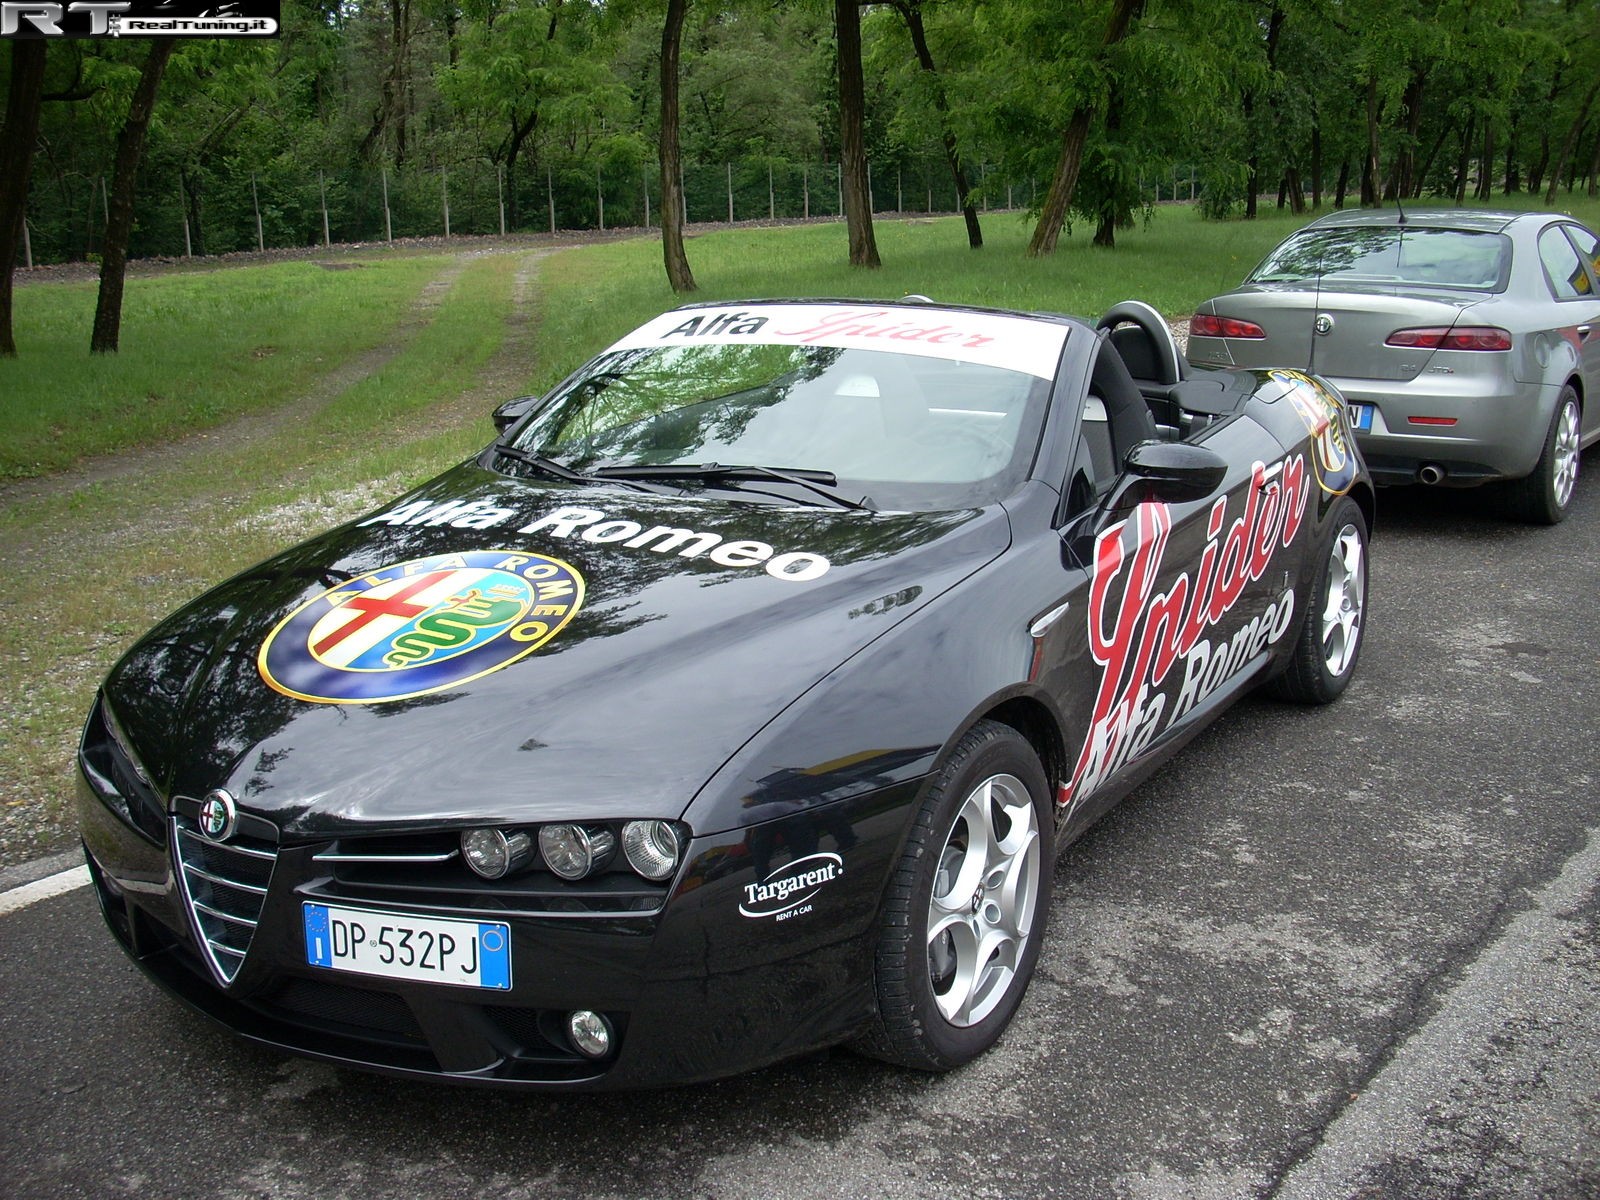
pixel 1127 414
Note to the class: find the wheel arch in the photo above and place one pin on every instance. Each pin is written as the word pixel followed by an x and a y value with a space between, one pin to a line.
pixel 1039 728
pixel 1367 501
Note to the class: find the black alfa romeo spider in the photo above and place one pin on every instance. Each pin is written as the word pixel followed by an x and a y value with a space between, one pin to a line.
pixel 733 703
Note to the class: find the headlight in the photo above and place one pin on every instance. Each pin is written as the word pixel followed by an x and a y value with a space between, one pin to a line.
pixel 494 854
pixel 573 851
pixel 652 848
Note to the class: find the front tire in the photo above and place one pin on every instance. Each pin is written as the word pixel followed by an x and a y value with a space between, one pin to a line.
pixel 1544 497
pixel 1325 650
pixel 966 906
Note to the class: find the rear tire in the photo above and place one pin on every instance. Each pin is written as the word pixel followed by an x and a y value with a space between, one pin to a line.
pixel 966 906
pixel 1329 642
pixel 1544 497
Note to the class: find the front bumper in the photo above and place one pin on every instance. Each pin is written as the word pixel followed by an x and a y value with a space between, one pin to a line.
pixel 694 990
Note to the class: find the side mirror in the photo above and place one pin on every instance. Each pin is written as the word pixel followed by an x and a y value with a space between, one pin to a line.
pixel 1171 472
pixel 512 411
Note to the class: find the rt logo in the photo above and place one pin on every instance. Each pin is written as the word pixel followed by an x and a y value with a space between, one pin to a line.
pixel 46 18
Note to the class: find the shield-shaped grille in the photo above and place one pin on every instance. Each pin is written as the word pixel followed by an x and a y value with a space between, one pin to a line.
pixel 224 887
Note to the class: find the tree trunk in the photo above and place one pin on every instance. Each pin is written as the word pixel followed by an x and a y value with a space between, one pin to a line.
pixel 1343 184
pixel 520 131
pixel 1316 166
pixel 1464 160
pixel 17 140
pixel 852 136
pixel 1405 164
pixel 1594 170
pixel 1252 162
pixel 1571 142
pixel 1433 153
pixel 1297 191
pixel 1513 181
pixel 1369 167
pixel 119 222
pixel 1486 162
pixel 677 262
pixel 1058 200
pixel 911 10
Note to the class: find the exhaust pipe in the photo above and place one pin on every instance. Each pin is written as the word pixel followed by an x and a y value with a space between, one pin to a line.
pixel 1430 474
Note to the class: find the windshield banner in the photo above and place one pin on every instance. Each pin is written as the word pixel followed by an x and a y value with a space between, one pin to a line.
pixel 1015 343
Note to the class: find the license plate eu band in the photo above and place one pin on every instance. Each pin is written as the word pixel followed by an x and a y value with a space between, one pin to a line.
pixel 1361 417
pixel 402 946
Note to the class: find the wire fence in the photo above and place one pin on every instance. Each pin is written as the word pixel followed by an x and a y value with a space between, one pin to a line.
pixel 285 206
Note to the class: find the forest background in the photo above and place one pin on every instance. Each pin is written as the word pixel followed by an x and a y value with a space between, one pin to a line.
pixel 374 119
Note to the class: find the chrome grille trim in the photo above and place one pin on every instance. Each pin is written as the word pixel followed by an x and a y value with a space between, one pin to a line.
pixel 224 887
pixel 336 856
pixel 220 915
pixel 233 883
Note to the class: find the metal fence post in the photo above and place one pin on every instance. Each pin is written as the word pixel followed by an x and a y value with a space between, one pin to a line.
pixel 322 191
pixel 261 241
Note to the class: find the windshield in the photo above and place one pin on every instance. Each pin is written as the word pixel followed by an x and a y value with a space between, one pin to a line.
pixel 1447 258
pixel 904 430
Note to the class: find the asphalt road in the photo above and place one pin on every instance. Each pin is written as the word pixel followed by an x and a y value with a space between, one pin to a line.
pixel 1327 953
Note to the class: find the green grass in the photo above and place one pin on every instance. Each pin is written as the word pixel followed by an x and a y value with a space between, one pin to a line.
pixel 197 349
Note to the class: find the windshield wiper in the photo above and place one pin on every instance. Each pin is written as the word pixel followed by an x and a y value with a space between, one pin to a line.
pixel 820 483
pixel 551 467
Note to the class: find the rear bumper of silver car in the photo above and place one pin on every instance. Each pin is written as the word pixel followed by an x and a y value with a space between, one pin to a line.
pixel 1456 431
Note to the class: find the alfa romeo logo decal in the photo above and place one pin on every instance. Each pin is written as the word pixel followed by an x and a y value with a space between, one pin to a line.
pixel 420 627
pixel 1319 411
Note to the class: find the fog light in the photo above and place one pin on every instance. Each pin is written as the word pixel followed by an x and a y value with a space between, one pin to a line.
pixel 589 1033
pixel 493 854
pixel 652 848
pixel 572 851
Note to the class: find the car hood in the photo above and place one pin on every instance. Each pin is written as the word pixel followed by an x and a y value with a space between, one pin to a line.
pixel 677 627
pixel 1359 318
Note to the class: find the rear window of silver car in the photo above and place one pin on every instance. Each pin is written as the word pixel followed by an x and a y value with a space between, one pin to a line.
pixel 1391 254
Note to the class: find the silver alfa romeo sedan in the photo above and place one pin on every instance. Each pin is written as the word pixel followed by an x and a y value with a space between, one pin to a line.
pixel 1467 342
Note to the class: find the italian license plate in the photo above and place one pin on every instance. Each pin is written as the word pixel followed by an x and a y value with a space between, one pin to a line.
pixel 1361 417
pixel 402 946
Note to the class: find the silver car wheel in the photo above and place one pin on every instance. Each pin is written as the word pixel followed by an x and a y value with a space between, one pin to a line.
pixel 1346 588
pixel 1565 476
pixel 984 891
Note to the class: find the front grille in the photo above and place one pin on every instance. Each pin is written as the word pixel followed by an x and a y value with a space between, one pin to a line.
pixel 224 886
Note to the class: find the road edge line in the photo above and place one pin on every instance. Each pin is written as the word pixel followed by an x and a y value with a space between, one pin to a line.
pixel 19 898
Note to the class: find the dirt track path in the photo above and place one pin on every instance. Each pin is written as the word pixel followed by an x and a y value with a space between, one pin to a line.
pixel 255 427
